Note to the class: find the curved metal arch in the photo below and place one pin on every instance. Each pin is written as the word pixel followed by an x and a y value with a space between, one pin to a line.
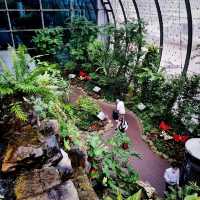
pixel 106 11
pixel 123 11
pixel 136 10
pixel 190 37
pixel 161 26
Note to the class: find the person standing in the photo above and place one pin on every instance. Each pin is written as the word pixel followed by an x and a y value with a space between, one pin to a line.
pixel 120 108
pixel 172 176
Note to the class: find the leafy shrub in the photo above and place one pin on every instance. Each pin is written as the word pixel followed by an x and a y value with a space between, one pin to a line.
pixel 70 132
pixel 20 81
pixel 96 149
pixel 43 82
pixel 190 191
pixel 70 66
pixel 82 32
pixel 49 40
pixel 114 169
pixel 87 105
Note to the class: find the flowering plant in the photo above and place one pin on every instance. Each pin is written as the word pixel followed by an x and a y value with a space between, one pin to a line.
pixel 84 76
pixel 165 126
pixel 180 138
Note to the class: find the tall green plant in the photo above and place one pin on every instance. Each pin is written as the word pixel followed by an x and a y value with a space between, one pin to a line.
pixel 49 41
pixel 82 32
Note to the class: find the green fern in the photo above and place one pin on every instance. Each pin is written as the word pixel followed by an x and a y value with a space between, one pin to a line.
pixel 19 113
pixel 44 81
pixel 5 90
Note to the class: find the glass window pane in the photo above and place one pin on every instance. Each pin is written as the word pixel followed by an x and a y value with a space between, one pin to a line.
pixel 25 20
pixel 79 4
pixel 4 21
pixel 91 15
pixel 55 4
pixel 52 19
pixel 78 13
pixel 5 40
pixel 23 4
pixel 2 4
pixel 24 37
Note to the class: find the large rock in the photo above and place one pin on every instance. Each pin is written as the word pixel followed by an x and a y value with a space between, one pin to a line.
pixel 28 148
pixel 83 185
pixel 65 191
pixel 47 126
pixel 64 166
pixel 36 182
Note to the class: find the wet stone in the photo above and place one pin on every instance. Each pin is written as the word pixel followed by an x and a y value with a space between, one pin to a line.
pixel 30 148
pixel 65 191
pixel 64 166
pixel 36 182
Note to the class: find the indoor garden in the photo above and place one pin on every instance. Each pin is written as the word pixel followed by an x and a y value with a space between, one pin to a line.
pixel 97 101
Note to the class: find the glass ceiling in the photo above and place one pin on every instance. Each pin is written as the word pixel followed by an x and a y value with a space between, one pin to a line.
pixel 173 25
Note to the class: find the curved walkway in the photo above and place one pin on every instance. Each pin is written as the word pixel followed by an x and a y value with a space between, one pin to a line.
pixel 151 167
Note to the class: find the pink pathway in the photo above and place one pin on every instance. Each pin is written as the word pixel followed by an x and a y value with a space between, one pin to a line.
pixel 151 167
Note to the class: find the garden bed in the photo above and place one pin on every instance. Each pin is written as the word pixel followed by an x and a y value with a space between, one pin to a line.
pixel 167 149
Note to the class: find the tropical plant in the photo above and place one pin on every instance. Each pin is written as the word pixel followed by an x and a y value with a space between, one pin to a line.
pixel 96 148
pixel 88 105
pixel 19 81
pixel 49 41
pixel 43 83
pixel 136 196
pixel 102 58
pixel 82 32
pixel 127 41
pixel 117 172
pixel 190 191
pixel 70 133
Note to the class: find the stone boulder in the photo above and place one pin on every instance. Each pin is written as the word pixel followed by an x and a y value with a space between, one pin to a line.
pixel 64 166
pixel 36 182
pixel 28 148
pixel 64 191
pixel 83 185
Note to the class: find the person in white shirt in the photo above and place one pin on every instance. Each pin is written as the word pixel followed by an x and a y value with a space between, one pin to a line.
pixel 120 108
pixel 172 176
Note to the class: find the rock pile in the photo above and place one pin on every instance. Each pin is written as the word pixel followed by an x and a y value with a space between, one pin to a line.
pixel 37 167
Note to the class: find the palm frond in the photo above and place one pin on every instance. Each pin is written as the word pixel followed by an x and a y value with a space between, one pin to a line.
pixel 19 113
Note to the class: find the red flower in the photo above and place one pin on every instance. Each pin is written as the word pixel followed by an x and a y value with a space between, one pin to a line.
pixel 176 137
pixel 164 126
pixel 180 138
pixel 84 75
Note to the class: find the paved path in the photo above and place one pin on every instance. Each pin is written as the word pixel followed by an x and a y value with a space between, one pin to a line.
pixel 151 167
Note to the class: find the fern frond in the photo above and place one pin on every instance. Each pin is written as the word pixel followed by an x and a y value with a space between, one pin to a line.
pixel 19 113
pixel 31 89
pixel 5 90
pixel 19 62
